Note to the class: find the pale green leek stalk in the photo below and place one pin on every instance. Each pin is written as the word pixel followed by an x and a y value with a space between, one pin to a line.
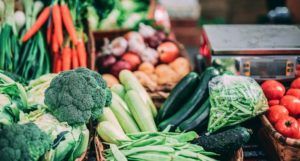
pixel 130 82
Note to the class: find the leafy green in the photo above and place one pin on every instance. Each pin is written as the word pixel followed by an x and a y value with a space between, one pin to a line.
pixel 234 99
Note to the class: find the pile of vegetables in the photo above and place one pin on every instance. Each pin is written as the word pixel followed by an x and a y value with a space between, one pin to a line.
pixel 34 126
pixel 162 146
pixel 188 105
pixel 131 110
pixel 117 14
pixel 284 108
pixel 154 57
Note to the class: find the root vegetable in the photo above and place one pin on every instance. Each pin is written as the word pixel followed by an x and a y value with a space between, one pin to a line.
pixel 147 68
pixel 165 75
pixel 110 79
pixel 180 66
pixel 145 80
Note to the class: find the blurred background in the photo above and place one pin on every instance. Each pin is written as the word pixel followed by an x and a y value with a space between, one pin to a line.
pixel 187 16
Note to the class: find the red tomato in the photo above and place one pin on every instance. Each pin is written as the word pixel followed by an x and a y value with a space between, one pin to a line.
pixel 296 83
pixel 298 136
pixel 294 92
pixel 273 102
pixel 132 59
pixel 287 126
pixel 168 52
pixel 273 89
pixel 292 104
pixel 276 112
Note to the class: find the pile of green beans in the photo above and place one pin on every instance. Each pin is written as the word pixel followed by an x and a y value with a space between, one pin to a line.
pixel 162 146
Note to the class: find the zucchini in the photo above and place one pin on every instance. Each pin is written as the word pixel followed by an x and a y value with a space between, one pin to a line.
pixel 198 120
pixel 109 133
pixel 198 98
pixel 226 142
pixel 120 109
pixel 182 91
pixel 138 108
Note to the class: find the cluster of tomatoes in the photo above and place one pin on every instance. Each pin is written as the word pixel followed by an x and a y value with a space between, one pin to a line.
pixel 284 111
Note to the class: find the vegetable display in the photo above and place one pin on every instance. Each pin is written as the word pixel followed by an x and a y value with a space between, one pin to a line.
pixel 234 99
pixel 285 108
pixel 155 59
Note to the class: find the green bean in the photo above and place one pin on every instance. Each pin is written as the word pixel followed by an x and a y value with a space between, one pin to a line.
pixel 155 148
pixel 117 153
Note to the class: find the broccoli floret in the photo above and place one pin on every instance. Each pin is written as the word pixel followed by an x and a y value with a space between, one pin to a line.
pixel 77 95
pixel 23 142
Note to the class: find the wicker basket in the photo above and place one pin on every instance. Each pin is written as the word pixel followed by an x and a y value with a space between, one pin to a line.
pixel 238 155
pixel 278 147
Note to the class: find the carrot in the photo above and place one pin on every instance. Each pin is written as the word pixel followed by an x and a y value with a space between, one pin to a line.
pixel 75 62
pixel 58 63
pixel 54 62
pixel 38 24
pixel 66 58
pixel 82 55
pixel 68 22
pixel 49 32
pixel 57 24
pixel 55 46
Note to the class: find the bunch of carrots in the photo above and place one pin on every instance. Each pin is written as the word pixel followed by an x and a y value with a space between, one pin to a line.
pixel 67 52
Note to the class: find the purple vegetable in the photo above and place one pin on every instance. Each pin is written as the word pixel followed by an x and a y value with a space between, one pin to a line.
pixel 104 63
pixel 118 67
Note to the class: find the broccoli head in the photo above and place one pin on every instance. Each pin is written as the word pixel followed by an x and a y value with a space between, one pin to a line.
pixel 77 95
pixel 23 142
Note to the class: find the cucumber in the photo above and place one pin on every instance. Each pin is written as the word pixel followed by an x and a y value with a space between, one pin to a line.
pixel 226 142
pixel 198 97
pixel 182 91
pixel 198 120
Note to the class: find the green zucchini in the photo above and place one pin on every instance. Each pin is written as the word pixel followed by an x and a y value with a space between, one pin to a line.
pixel 198 98
pixel 226 142
pixel 198 120
pixel 182 91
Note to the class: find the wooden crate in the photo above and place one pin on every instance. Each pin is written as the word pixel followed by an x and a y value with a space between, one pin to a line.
pixel 278 147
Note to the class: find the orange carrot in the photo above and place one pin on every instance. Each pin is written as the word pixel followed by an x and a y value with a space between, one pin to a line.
pixel 49 32
pixel 55 46
pixel 58 63
pixel 38 24
pixel 66 58
pixel 68 22
pixel 54 61
pixel 57 24
pixel 82 55
pixel 75 62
